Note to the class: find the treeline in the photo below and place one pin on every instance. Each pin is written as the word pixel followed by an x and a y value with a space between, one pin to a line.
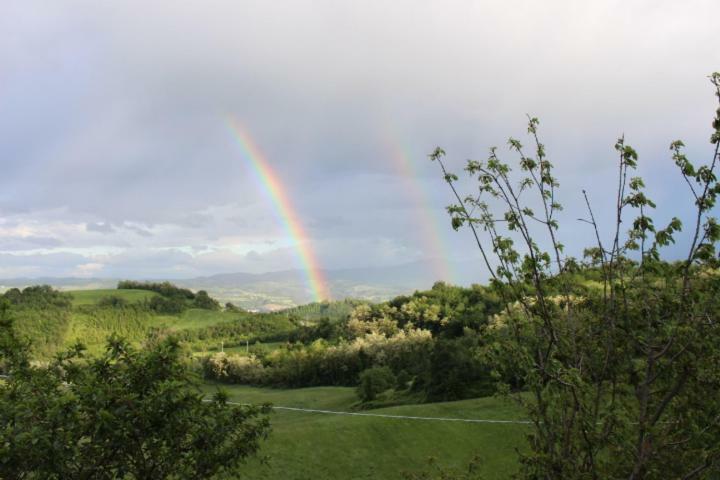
pixel 166 289
pixel 38 296
pixel 312 312
pixel 427 342
pixel 244 327
pixel 172 300
pixel 41 316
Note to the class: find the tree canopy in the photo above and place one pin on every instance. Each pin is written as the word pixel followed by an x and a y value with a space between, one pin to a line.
pixel 125 414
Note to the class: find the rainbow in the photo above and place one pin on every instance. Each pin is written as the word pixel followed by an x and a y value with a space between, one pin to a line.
pixel 429 224
pixel 285 211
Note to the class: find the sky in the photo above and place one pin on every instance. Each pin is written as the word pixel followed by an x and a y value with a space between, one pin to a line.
pixel 116 158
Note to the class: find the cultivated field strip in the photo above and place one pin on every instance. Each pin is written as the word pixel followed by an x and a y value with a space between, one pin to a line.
pixel 398 417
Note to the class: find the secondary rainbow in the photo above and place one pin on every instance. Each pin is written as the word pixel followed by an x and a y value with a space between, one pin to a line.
pixel 285 211
pixel 428 222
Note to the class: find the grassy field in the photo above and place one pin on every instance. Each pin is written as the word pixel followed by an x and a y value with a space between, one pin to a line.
pixel 198 318
pixel 90 321
pixel 302 445
pixel 86 322
pixel 92 297
pixel 322 446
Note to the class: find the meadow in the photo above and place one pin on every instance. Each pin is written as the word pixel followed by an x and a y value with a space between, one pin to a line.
pixel 92 297
pixel 86 318
pixel 301 445
pixel 305 446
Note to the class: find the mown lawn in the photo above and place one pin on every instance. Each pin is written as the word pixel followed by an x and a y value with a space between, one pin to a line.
pixel 321 446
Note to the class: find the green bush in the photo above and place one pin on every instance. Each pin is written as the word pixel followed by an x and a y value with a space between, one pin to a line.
pixel 128 414
pixel 205 301
pixel 41 316
pixel 246 369
pixel 167 306
pixel 112 301
pixel 166 289
pixel 375 381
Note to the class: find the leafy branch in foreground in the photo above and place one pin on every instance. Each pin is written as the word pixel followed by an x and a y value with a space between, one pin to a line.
pixel 620 377
pixel 128 414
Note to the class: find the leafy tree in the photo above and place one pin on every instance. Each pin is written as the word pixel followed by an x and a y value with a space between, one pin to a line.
pixel 325 329
pixel 127 414
pixel 167 305
pixel 622 380
pixel 457 371
pixel 203 300
pixel 38 296
pixel 41 314
pixel 231 307
pixel 112 301
pixel 166 289
pixel 374 381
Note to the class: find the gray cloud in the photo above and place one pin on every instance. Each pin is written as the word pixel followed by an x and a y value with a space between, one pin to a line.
pixel 28 243
pixel 105 228
pixel 113 116
pixel 143 232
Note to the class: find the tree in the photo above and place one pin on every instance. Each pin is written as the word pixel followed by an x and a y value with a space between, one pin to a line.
pixel 133 414
pixel 203 300
pixel 620 380
pixel 231 307
pixel 374 381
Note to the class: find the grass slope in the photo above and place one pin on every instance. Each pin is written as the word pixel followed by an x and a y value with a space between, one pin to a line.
pixel 92 297
pixel 321 446
pixel 204 330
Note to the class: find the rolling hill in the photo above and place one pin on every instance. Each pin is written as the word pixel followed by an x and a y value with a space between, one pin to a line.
pixel 281 289
pixel 305 445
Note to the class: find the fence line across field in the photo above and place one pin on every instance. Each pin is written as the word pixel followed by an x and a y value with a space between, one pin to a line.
pixel 383 415
pixel 378 415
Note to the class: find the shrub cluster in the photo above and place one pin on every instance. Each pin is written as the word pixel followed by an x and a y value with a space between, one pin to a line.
pixel 127 414
pixel 173 300
pixel 322 363
pixel 166 289
pixel 374 381
pixel 429 341
pixel 42 317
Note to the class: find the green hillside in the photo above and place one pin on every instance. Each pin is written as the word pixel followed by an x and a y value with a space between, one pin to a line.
pixel 53 321
pixel 322 446
pixel 92 297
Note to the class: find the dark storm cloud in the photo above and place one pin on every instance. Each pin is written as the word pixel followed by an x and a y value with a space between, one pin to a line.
pixel 114 122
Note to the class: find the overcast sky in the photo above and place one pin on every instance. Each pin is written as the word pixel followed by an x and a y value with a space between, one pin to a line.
pixel 116 160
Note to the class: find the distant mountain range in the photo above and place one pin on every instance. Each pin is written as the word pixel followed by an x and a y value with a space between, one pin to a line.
pixel 280 289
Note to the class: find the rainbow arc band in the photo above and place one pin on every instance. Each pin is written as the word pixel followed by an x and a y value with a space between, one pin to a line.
pixel 274 188
pixel 429 225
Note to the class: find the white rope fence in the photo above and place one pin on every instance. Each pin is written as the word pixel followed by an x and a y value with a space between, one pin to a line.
pixel 379 415
pixel 397 417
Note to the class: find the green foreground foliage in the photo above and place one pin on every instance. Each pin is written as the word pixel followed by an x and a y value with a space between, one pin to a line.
pixel 623 380
pixel 52 321
pixel 135 414
pixel 428 343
